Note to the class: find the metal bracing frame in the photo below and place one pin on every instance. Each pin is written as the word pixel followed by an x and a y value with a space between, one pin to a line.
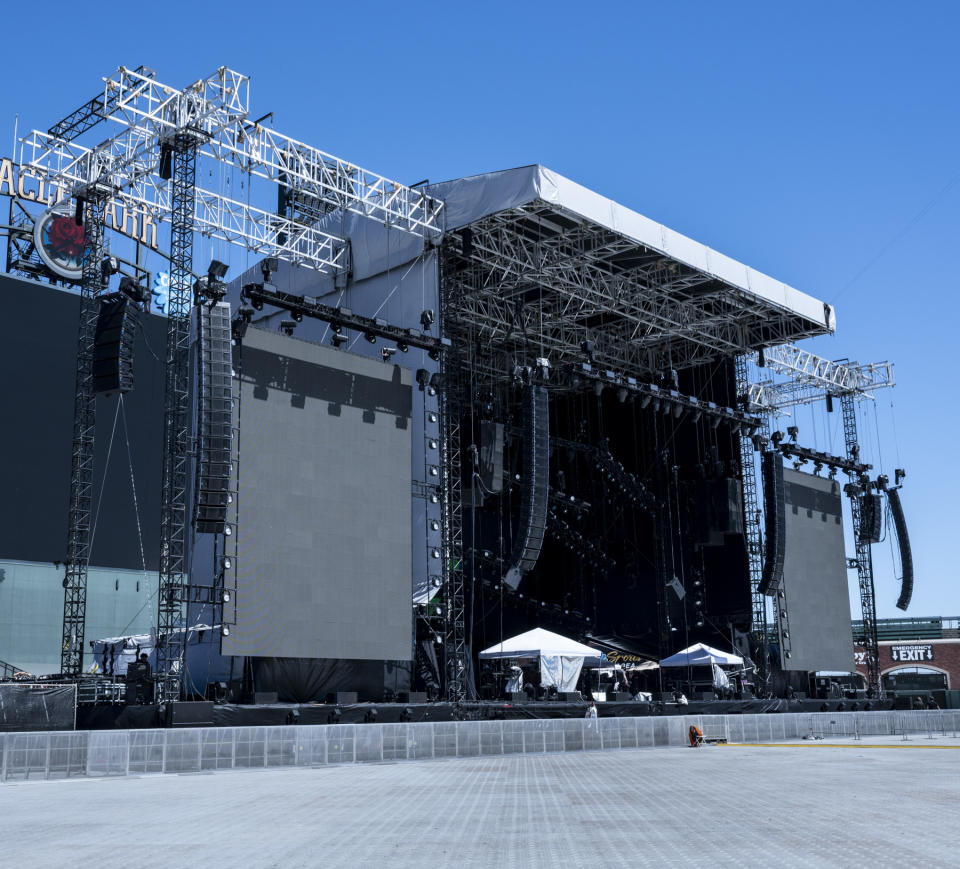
pixel 574 280
pixel 451 495
pixel 868 607
pixel 751 518
pixel 84 426
pixel 92 112
pixel 170 610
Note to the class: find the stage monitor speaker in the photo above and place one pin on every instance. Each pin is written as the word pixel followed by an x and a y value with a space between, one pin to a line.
pixel 214 418
pixel 871 518
pixel 536 477
pixel 570 697
pixel 116 331
pixel 197 713
pixel 491 456
pixel 518 697
pixel 903 542
pixel 773 507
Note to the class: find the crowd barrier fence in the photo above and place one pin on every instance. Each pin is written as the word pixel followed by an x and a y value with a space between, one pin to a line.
pixel 96 753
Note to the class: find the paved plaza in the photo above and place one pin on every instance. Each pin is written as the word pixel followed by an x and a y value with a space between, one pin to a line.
pixel 812 804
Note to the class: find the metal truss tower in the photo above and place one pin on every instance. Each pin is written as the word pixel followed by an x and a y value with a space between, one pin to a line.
pixel 171 625
pixel 451 502
pixel 868 606
pixel 751 516
pixel 84 427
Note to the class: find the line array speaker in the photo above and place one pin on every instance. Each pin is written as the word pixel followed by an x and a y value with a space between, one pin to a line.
pixel 906 554
pixel 491 455
pixel 116 331
pixel 771 467
pixel 214 418
pixel 871 518
pixel 536 478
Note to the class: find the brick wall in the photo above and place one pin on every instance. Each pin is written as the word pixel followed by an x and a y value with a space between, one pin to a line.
pixel 903 653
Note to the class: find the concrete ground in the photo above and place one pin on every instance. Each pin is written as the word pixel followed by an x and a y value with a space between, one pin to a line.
pixel 836 803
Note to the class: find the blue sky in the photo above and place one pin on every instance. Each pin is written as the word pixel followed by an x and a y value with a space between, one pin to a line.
pixel 816 142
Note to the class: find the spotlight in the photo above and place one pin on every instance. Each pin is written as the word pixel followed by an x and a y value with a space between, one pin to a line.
pixel 434 553
pixel 287 327
pixel 267 267
pixel 227 563
pixel 225 630
pixel 132 290
pixel 257 304
pixel 434 471
pixel 432 417
pixel 427 319
pixel 226 595
pixel 402 346
pixel 598 388
pixel 434 498
pixel 434 525
pixel 775 438
pixel 423 378
pixel 587 349
pixel 297 316
pixel 338 340
pixel 216 270
pixel 792 432
pixel 387 352
pixel 622 394
pixel 370 337
pixel 436 380
pixel 645 402
pixel 109 265
pixel 432 443
pixel 336 327
pixel 434 354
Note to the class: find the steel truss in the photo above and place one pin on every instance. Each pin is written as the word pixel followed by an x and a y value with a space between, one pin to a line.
pixel 536 268
pixel 451 495
pixel 84 426
pixel 171 637
pixel 868 606
pixel 751 517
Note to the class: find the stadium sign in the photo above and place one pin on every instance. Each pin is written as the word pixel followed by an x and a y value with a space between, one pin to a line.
pixel 913 653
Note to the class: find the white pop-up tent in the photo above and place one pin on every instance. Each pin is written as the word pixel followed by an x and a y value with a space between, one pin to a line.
pixel 701 655
pixel 561 659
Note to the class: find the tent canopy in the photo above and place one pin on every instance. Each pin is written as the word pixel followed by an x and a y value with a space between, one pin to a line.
pixel 542 643
pixel 700 655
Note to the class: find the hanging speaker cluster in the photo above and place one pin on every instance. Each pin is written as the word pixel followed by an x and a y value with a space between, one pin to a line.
pixel 906 555
pixel 774 494
pixel 536 484
pixel 214 418
pixel 117 323
pixel 871 518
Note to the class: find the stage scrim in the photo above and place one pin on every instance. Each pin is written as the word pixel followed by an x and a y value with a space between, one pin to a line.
pixel 815 575
pixel 324 546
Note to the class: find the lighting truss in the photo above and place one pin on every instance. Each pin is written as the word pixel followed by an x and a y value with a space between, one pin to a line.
pixel 813 378
pixel 537 270
pixel 215 110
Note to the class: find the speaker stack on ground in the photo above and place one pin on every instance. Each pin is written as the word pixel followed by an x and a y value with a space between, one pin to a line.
pixel 536 477
pixel 214 418
pixel 117 323
pixel 771 467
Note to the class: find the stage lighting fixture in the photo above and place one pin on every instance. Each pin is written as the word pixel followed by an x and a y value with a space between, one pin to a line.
pixel 423 378
pixel 227 563
pixel 645 401
pixel 432 443
pixel 338 340
pixel 435 581
pixel 434 471
pixel 386 353
pixel 427 319
pixel 598 388
pixel 436 380
pixel 699 623
pixel 587 348
pixel 132 290
pixel 817 468
pixel 434 525
pixel 402 346
pixel 246 311
pixel 369 336
pixel 432 417
pixel 677 411
pixel 543 367
pixel 257 304
pixel 775 438
pixel 434 354
pixel 898 475
pixel 267 267
pixel 227 530
pixel 109 265
pixel 792 432
pixel 216 270
pixel 226 595
pixel 225 630
pixel 78 211
pixel 435 496
pixel 434 553
pixel 832 474
pixel 622 394
pixel 287 327
pixel 297 316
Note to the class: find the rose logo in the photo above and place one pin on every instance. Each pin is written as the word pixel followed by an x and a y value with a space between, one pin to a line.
pixel 65 240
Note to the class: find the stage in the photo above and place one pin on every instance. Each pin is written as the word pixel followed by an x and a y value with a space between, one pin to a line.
pixel 105 717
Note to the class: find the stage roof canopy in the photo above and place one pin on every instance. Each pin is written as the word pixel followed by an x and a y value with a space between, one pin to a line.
pixel 591 268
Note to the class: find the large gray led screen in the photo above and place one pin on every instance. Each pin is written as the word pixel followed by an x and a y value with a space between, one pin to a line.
pixel 324 504
pixel 815 575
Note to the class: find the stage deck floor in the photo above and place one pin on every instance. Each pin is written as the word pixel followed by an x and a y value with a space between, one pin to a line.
pixel 844 803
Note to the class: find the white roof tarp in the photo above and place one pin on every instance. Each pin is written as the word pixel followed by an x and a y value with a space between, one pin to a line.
pixel 467 200
pixel 700 655
pixel 541 643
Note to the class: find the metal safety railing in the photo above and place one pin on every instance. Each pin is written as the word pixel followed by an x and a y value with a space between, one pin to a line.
pixel 59 754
